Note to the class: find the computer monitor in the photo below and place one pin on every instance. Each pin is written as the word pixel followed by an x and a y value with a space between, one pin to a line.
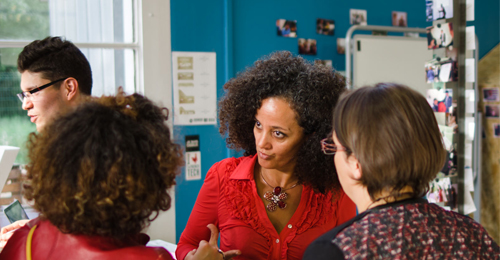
pixel 7 156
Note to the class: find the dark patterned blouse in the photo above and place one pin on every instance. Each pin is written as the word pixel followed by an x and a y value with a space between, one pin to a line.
pixel 409 229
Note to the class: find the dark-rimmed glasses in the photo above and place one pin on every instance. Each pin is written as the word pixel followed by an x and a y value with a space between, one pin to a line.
pixel 29 94
pixel 329 148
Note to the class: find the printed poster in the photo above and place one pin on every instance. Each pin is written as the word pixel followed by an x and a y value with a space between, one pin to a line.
pixel 195 88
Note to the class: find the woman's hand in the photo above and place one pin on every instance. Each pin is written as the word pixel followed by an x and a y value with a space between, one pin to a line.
pixel 209 250
pixel 5 232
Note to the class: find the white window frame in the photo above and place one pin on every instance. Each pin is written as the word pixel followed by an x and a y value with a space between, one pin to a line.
pixel 152 50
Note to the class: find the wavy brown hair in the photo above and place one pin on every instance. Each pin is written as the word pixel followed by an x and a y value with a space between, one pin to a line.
pixel 104 168
pixel 392 131
pixel 312 92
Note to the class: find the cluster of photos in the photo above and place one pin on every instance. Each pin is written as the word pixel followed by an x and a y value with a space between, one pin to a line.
pixel 288 28
pixel 441 70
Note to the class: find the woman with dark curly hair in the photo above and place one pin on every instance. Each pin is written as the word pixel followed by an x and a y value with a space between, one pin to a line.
pixel 284 193
pixel 98 176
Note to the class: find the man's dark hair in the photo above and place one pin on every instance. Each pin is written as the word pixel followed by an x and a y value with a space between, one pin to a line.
pixel 56 58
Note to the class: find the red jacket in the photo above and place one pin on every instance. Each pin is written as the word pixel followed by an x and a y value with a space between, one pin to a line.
pixel 49 243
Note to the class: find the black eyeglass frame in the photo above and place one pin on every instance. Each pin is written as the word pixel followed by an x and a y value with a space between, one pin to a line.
pixel 22 95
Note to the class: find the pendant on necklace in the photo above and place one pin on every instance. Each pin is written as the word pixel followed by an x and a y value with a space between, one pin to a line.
pixel 276 199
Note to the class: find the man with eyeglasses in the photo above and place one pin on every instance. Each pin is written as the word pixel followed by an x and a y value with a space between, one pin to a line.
pixel 55 77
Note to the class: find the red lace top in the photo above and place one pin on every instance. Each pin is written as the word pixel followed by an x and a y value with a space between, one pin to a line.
pixel 229 199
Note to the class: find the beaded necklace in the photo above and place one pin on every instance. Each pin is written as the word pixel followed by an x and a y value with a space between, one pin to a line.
pixel 276 197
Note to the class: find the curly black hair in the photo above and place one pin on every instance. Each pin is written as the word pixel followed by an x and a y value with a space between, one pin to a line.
pixel 312 92
pixel 103 169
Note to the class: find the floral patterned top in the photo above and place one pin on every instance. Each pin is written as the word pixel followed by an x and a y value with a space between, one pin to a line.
pixel 409 229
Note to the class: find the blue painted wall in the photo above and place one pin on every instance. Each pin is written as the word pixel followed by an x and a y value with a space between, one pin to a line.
pixel 242 31
pixel 487 25
pixel 255 35
pixel 198 26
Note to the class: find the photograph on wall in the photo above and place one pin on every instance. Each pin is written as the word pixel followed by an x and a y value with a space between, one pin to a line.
pixel 451 53
pixel 436 194
pixel 438 9
pixel 358 17
pixel 450 165
pixel 341 45
pixel 451 119
pixel 496 130
pixel 440 36
pixel 307 46
pixel 441 100
pixel 399 19
pixel 441 70
pixel 447 133
pixel 443 193
pixel 492 111
pixel 452 194
pixel 327 63
pixel 325 26
pixel 490 94
pixel 286 28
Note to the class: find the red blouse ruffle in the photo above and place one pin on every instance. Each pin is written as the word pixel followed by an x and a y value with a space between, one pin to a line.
pixel 238 195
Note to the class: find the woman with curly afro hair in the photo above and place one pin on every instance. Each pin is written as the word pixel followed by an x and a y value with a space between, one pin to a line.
pixel 98 175
pixel 284 193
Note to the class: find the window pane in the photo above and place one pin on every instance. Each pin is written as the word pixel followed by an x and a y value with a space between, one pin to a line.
pixel 24 19
pixel 92 21
pixel 111 69
pixel 15 125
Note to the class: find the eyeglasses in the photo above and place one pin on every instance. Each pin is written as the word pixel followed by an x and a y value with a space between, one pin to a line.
pixel 29 94
pixel 329 148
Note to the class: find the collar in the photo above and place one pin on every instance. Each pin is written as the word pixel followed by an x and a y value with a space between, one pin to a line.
pixel 398 203
pixel 244 170
pixel 334 232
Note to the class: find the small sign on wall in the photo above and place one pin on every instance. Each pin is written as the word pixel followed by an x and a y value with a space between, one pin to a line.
pixel 193 158
pixel 195 88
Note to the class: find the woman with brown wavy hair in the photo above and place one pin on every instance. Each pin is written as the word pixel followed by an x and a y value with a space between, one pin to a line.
pixel 98 175
pixel 387 148
pixel 272 202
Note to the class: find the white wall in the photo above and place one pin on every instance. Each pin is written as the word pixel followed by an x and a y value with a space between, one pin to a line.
pixel 156 78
